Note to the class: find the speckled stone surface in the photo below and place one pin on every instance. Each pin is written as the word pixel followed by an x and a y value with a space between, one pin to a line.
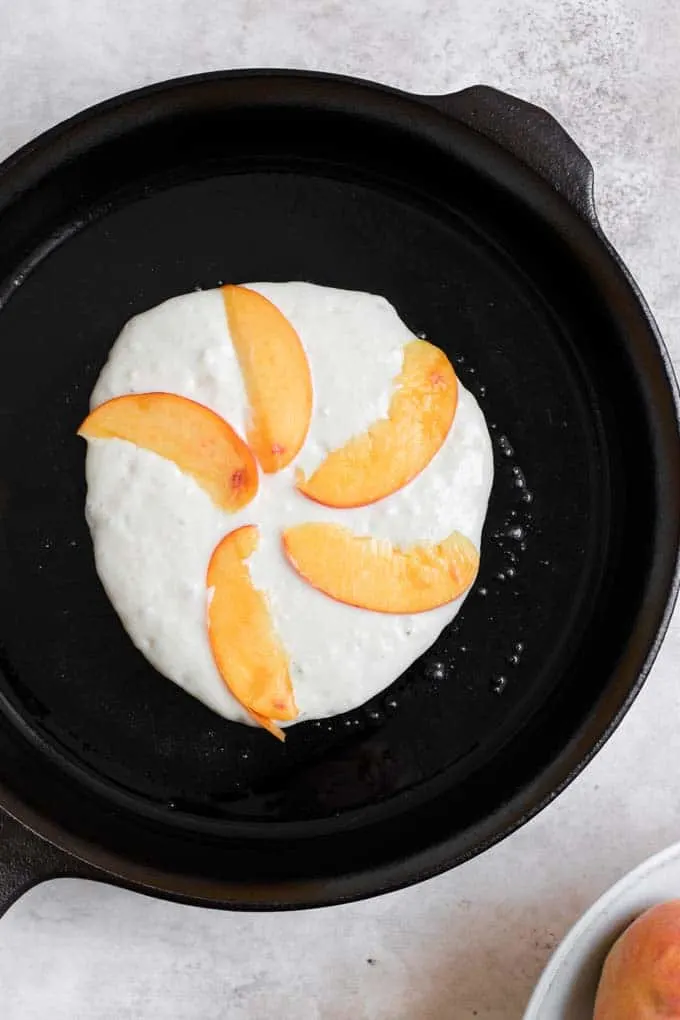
pixel 470 943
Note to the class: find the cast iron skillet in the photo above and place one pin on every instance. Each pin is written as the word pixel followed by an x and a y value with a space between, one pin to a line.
pixel 473 214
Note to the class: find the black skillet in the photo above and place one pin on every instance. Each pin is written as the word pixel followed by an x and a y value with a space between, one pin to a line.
pixel 473 213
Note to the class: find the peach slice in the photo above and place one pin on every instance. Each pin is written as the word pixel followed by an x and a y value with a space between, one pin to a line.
pixel 276 375
pixel 199 442
pixel 247 651
pixel 373 574
pixel 397 448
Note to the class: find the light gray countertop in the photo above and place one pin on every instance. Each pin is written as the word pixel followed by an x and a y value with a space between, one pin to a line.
pixel 470 943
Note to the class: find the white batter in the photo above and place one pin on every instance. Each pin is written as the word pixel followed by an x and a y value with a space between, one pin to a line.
pixel 154 528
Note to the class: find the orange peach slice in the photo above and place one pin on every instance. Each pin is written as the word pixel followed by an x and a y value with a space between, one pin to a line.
pixel 199 442
pixel 247 651
pixel 397 448
pixel 276 375
pixel 268 725
pixel 373 574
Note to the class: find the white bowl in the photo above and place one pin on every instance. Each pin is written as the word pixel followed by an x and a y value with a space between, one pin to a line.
pixel 566 990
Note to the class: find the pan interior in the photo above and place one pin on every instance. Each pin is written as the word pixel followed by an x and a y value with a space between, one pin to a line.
pixel 323 200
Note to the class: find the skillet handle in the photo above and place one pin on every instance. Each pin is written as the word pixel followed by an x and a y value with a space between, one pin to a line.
pixel 26 860
pixel 532 135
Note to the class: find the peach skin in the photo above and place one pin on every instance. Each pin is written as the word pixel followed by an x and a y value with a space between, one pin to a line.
pixel 641 975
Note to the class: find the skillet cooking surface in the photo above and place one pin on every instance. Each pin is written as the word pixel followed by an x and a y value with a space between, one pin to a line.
pixel 347 201
pixel 96 695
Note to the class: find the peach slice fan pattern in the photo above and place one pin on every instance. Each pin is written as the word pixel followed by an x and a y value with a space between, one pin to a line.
pixel 373 574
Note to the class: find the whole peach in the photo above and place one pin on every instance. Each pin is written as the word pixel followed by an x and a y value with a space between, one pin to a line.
pixel 641 975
